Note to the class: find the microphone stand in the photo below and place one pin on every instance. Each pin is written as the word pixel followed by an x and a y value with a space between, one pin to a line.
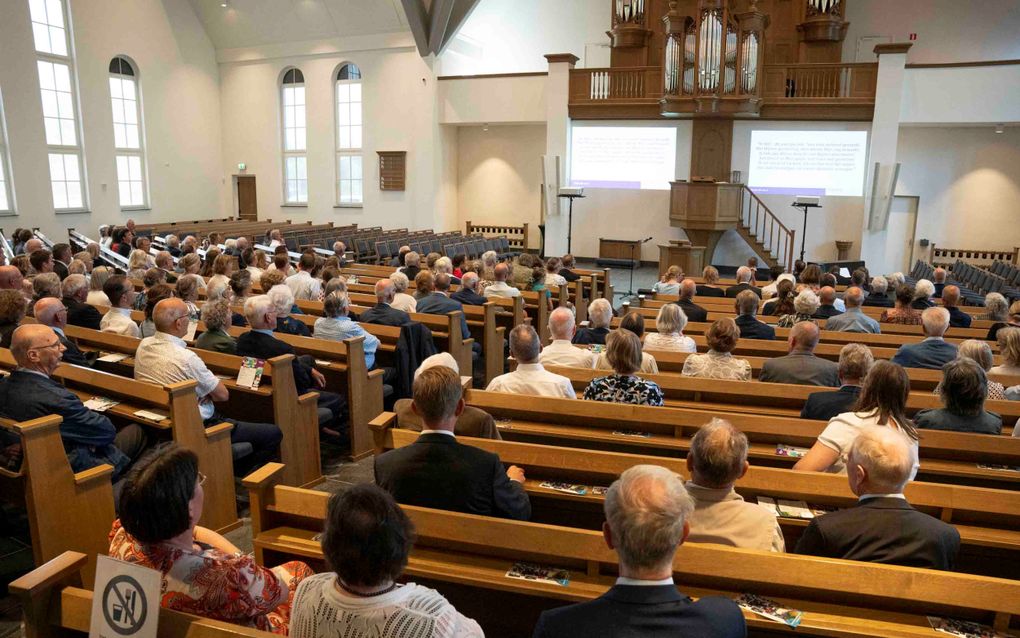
pixel 630 287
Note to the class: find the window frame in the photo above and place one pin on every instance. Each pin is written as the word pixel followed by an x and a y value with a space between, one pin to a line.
pixel 78 149
pixel 352 152
pixel 297 155
pixel 6 168
pixel 126 152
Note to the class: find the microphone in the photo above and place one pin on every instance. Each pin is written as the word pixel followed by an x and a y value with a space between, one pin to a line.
pixel 646 240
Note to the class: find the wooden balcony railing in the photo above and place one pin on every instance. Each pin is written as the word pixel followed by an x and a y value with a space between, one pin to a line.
pixel 625 84
pixel 820 81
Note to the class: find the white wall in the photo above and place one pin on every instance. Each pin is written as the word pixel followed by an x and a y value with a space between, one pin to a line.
pixel 947 30
pixel 491 100
pixel 968 184
pixel 985 94
pixel 181 112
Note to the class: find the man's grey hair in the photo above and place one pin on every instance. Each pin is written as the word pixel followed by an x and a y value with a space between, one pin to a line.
pixel 935 321
pixel 73 285
pixel 646 509
pixel 469 280
pixel 886 456
pixel 384 290
pixel 855 359
pixel 996 305
pixel 718 453
pixel 219 289
pixel 688 289
pixel 939 275
pixel 172 240
pixel 600 313
pixel 923 289
pixel 879 285
pixel 47 284
pixel 256 307
pixel 230 243
pixel 412 259
pixel 744 275
pixel 672 319
pixel 400 281
pixel 282 298
pixel 216 313
pixel 489 258
pixel 853 297
pixel 561 323
pixel 525 345
pixel 747 302
pixel 443 264
pixel 896 279
pixel 806 303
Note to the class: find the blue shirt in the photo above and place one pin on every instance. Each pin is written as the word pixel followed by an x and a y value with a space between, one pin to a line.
pixel 340 328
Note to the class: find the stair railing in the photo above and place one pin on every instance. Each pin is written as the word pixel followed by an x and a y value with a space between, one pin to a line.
pixel 769 230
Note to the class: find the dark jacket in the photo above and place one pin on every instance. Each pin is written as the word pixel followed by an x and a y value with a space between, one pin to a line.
pixel 590 335
pixel 958 318
pixel 883 530
pixel 292 326
pixel 468 297
pixel 802 368
pixel 733 291
pixel 822 406
pixel 440 472
pixel 921 304
pixel 385 315
pixel 751 328
pixel 217 341
pixel 439 304
pixel 938 290
pixel 414 345
pixel 411 271
pixel 73 354
pixel 943 419
pixel 879 301
pixel 60 268
pixel 631 611
pixel 693 311
pixel 569 275
pixel 930 353
pixel 82 314
pixel 708 291
pixel 263 346
pixel 826 310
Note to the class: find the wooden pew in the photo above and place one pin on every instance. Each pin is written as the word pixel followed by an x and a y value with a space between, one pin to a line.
pixel 946 457
pixel 66 511
pixel 988 520
pixel 183 424
pixel 465 549
pixel 56 604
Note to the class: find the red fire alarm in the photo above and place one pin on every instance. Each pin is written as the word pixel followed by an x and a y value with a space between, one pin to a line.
pixel 913 36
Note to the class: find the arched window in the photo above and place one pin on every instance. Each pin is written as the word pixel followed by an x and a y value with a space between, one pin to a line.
pixel 6 187
pixel 58 84
pixel 350 180
pixel 127 134
pixel 295 167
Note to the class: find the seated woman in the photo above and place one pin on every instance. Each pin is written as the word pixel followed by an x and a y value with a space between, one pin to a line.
pixel 203 573
pixel 1012 321
pixel 804 307
pixel 882 403
pixel 719 362
pixel 981 353
pixel 902 313
pixel 12 310
pixel 190 264
pixel 552 272
pixel 669 284
pixel 783 303
pixel 96 295
pixel 634 322
pixel 1009 347
pixel 188 287
pixel 151 277
pixel 600 314
pixel 366 543
pixel 156 294
pixel 964 388
pixel 223 268
pixel 538 283
pixel 710 288
pixel 216 315
pixel 283 301
pixel 138 263
pixel 670 324
pixel 623 352
pixel 402 300
pixel 44 285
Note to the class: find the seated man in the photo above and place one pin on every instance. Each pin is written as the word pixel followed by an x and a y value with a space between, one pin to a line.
pixel 746 306
pixel 499 288
pixel 951 301
pixel 647 502
pixel 11 278
pixel 883 527
pixel 567 268
pixel 117 319
pixel 51 312
pixel 382 313
pixel 561 352
pixel 468 293
pixel 301 283
pixel 934 352
pixel 74 291
pixel 438 471
pixel 693 311
pixel 924 290
pixel 801 366
pixel 438 302
pixel 717 459
pixel 261 343
pixel 90 439
pixel 827 308
pixel 744 277
pixel 878 297
pixel 530 377
pixel 939 283
pixel 855 360
pixel 471 422
pixel 854 319
pixel 164 359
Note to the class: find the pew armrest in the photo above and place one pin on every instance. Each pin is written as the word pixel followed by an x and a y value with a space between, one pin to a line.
pixel 217 430
pixel 268 473
pixel 466 382
pixel 308 398
pixel 42 579
pixel 383 422
pixel 93 474
pixel 375 373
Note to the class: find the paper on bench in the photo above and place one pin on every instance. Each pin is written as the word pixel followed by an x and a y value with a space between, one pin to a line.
pixel 150 415
pixel 794 509
pixel 100 404
pixel 113 357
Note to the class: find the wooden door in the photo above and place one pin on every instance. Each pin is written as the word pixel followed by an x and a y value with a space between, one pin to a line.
pixel 247 207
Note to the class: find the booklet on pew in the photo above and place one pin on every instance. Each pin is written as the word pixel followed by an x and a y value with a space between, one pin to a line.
pixel 112 357
pixel 789 509
pixel 250 374
pixel 100 404
pixel 539 573
pixel 998 468
pixel 635 433
pixel 790 451
pixel 192 327
pixel 770 609
pixel 964 629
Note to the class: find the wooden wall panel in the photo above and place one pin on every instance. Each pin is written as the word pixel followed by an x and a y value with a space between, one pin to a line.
pixel 711 145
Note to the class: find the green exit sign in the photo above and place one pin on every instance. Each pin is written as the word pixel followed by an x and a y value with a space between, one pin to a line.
pixel 241 166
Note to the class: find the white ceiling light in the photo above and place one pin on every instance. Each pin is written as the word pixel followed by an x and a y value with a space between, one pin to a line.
pixel 1000 128
pixel 224 3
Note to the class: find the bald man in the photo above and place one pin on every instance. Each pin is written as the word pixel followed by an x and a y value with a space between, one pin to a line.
pixel 827 308
pixel 10 278
pixel 468 293
pixel 951 302
pixel 801 366
pixel 30 392
pixel 744 282
pixel 500 288
pixel 383 313
pixel 561 352
pixel 883 527
pixel 164 359
pixel 693 311
pixel 50 311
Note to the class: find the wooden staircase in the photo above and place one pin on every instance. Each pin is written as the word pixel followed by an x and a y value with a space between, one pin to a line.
pixel 770 239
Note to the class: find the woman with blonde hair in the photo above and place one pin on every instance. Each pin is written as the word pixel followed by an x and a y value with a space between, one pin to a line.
pixel 670 282
pixel 188 287
pixel 138 263
pixel 632 322
pixel 719 362
pixel 190 264
pixel 96 295
pixel 981 353
pixel 670 324
pixel 223 267
pixel 710 288
pixel 1009 346
pixel 256 262
pixel 1012 320
pixel 804 307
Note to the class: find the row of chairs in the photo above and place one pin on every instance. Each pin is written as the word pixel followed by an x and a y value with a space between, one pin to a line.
pixel 971 295
pixel 982 281
pixel 1009 272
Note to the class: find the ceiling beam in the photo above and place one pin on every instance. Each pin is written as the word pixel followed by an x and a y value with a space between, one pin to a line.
pixel 438 21
pixel 461 11
pixel 417 21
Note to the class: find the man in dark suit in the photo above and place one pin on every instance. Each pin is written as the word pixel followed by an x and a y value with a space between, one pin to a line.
pixel 883 527
pixel 567 271
pixel 801 366
pixel 261 343
pixel 939 281
pixel 439 303
pixel 74 292
pixel 468 293
pixel 744 275
pixel 382 313
pixel 827 308
pixel 438 471
pixel 30 392
pixel 878 298
pixel 854 361
pixel 51 312
pixel 951 301
pixel 647 501
pixel 924 290
pixel 934 352
pixel 61 259
pixel 693 311
pixel 412 267
pixel 750 328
